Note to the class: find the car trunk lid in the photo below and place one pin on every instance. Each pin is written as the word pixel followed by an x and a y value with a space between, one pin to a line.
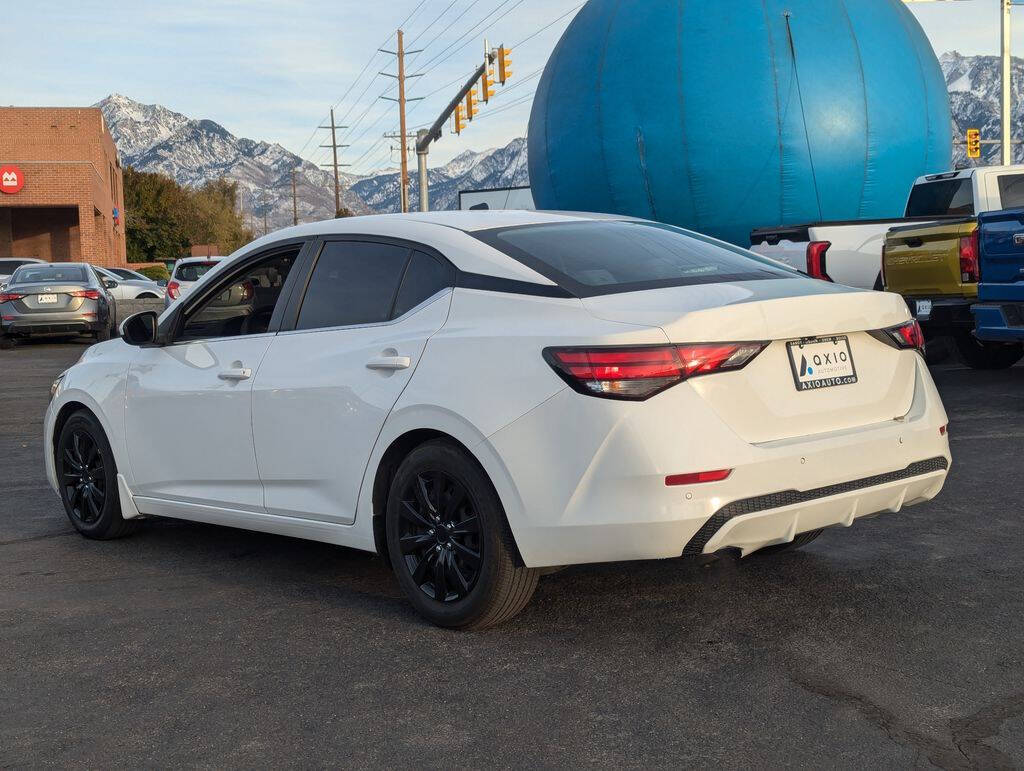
pixel 763 402
pixel 47 298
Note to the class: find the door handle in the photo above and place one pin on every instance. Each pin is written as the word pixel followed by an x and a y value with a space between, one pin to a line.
pixel 914 242
pixel 240 373
pixel 389 362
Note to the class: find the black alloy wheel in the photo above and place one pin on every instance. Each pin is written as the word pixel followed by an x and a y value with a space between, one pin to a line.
pixel 450 543
pixel 87 475
pixel 439 536
pixel 83 476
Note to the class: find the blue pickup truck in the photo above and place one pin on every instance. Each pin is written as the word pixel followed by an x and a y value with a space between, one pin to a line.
pixel 999 311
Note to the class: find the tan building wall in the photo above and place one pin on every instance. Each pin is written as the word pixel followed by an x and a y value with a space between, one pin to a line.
pixel 73 183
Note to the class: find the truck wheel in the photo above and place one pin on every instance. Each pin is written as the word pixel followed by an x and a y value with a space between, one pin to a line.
pixel 980 354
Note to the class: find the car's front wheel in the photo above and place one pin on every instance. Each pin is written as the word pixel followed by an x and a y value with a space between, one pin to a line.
pixel 87 475
pixel 450 543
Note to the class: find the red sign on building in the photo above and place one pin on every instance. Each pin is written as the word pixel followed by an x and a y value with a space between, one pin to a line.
pixel 12 179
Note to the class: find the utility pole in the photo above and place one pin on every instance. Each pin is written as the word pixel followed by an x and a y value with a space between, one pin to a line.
pixel 422 148
pixel 334 149
pixel 263 202
pixel 295 202
pixel 1007 101
pixel 400 55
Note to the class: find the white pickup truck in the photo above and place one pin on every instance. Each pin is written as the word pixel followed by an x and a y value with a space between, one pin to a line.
pixel 850 252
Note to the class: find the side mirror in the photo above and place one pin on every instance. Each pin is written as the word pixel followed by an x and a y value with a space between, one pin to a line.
pixel 139 329
pixel 109 283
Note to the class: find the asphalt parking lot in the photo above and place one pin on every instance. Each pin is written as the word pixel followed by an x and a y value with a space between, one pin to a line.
pixel 899 642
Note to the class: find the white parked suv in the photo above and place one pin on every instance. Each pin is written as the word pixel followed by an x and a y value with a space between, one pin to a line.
pixel 478 396
pixel 187 271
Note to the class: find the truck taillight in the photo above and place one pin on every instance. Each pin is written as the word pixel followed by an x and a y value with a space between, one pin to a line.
pixel 970 272
pixel 639 372
pixel 172 289
pixel 816 259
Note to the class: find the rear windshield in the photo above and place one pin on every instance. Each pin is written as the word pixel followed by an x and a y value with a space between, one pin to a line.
pixel 941 198
pixel 32 274
pixel 606 257
pixel 193 271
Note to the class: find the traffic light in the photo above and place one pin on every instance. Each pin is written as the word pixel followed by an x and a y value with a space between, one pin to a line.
pixel 471 103
pixel 487 84
pixel 460 119
pixel 504 64
pixel 973 143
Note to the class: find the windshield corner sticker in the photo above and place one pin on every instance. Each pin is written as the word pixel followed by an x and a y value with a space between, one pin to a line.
pixel 822 363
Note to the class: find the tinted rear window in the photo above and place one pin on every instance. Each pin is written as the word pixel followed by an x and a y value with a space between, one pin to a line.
pixel 31 274
pixel 193 271
pixel 605 257
pixel 424 278
pixel 941 198
pixel 8 266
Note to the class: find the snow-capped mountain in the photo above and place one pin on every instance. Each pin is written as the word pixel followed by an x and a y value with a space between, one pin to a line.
pixel 152 138
pixel 974 96
pixel 498 167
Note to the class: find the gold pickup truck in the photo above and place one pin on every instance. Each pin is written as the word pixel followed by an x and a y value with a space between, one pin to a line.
pixel 935 266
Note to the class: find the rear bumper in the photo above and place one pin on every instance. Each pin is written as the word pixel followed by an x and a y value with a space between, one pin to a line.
pixel 42 328
pixel 999 321
pixel 599 493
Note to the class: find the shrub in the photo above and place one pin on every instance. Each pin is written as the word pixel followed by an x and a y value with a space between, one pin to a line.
pixel 155 272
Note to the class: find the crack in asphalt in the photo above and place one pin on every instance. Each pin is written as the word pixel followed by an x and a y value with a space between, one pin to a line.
pixel 966 748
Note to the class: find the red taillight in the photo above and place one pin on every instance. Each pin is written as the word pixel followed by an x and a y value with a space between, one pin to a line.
pixel 6 297
pixel 88 294
pixel 699 478
pixel 970 272
pixel 907 335
pixel 172 289
pixel 816 259
pixel 640 372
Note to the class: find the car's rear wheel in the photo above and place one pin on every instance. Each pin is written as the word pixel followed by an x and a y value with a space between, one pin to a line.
pixel 450 543
pixel 801 540
pixel 980 354
pixel 87 476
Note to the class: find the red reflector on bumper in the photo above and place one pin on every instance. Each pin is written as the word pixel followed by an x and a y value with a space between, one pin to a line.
pixel 699 478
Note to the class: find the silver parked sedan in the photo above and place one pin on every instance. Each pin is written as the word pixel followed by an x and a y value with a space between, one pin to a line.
pixel 130 288
pixel 60 298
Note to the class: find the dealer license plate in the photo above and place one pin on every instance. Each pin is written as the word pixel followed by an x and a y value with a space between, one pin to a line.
pixel 821 362
pixel 923 309
pixel 46 299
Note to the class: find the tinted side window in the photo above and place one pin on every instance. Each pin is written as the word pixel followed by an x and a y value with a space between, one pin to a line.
pixel 354 282
pixel 243 303
pixel 424 278
pixel 1011 191
pixel 8 266
pixel 937 199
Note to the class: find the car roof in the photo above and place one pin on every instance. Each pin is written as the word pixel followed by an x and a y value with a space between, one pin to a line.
pixel 191 260
pixel 450 232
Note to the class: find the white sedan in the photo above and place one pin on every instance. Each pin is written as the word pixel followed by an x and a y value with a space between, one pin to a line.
pixel 481 396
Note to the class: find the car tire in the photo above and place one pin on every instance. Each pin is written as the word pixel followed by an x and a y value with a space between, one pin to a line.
pixel 6 342
pixel 980 354
pixel 447 533
pixel 87 478
pixel 801 540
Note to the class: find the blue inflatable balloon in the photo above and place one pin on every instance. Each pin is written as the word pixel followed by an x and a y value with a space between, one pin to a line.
pixel 726 116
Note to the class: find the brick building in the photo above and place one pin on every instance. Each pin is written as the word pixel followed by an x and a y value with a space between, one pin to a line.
pixel 61 194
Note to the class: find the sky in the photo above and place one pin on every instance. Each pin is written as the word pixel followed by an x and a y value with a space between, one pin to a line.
pixel 271 69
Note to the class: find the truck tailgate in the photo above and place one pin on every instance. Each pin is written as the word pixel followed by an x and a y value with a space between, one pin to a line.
pixel 924 260
pixel 1001 251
